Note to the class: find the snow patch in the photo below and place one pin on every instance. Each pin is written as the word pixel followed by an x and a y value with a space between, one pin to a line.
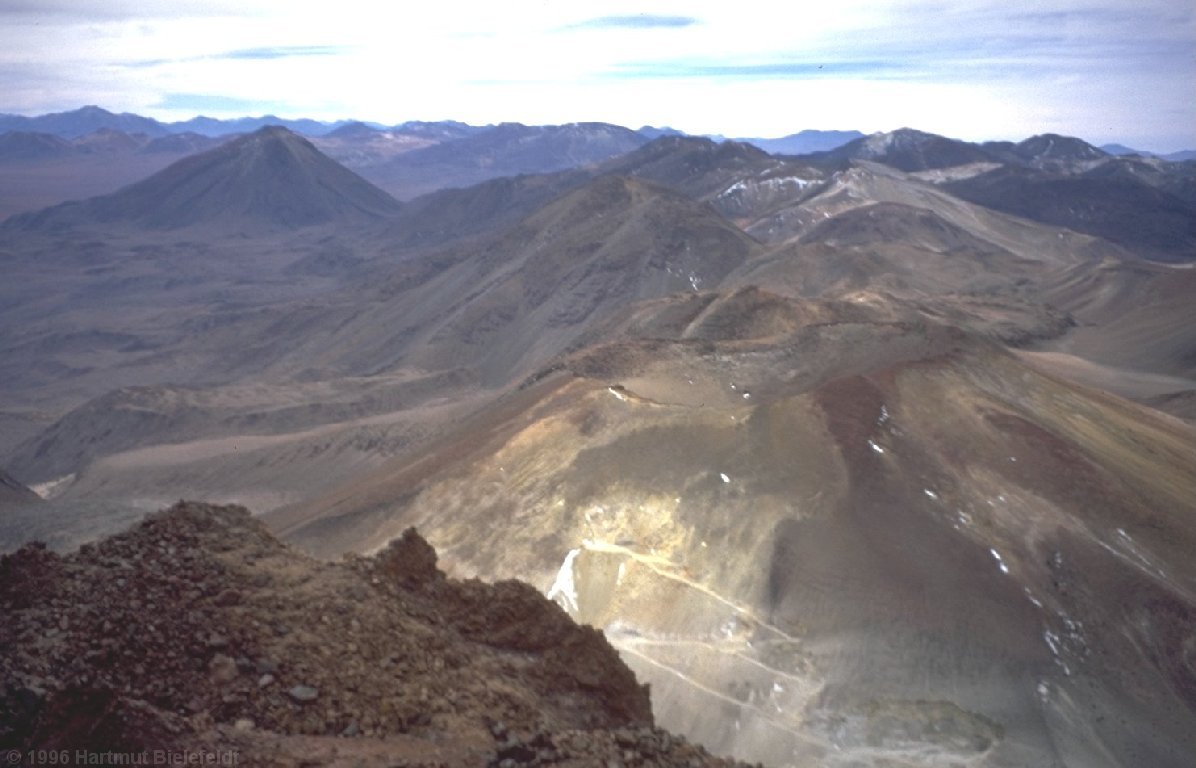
pixel 724 477
pixel 872 444
pixel 52 488
pixel 1000 562
pixel 563 590
pixel 779 182
pixel 930 494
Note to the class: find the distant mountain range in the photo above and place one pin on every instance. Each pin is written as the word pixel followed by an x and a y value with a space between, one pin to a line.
pixel 80 122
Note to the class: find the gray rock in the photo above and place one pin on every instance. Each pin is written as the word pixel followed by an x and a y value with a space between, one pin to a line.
pixel 303 694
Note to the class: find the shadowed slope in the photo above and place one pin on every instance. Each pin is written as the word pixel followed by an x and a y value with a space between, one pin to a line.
pixel 1126 211
pixel 13 493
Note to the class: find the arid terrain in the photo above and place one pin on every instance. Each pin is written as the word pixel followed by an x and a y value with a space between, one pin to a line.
pixel 882 455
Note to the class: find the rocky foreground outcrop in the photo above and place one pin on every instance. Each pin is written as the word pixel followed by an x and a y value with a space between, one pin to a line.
pixel 198 632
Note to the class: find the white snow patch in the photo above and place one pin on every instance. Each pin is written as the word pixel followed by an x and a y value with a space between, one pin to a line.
pixel 884 415
pixel 747 395
pixel 724 477
pixel 782 181
pixel 563 590
pixel 872 444
pixel 1000 562
pixel 52 488
pixel 1030 596
pixel 618 395
pixel 930 494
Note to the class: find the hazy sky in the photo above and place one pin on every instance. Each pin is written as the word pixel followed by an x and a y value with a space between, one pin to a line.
pixel 1106 70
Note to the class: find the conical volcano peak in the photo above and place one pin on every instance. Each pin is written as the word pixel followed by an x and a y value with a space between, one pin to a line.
pixel 269 180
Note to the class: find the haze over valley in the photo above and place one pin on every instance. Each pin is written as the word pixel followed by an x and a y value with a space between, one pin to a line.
pixel 860 449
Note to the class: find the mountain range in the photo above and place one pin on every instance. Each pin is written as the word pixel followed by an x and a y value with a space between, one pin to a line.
pixel 876 455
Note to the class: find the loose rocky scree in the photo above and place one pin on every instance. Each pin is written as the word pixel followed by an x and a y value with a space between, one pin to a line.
pixel 198 630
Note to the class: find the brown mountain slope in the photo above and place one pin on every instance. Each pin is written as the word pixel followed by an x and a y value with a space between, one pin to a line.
pixel 845 536
pixel 197 631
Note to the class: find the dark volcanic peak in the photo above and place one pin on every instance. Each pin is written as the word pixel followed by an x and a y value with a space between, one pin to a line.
pixel 271 179
pixel 198 630
pixel 905 149
pixel 1046 150
pixel 1056 147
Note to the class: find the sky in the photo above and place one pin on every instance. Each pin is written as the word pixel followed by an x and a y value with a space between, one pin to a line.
pixel 1105 70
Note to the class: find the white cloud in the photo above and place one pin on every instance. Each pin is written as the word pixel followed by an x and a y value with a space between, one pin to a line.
pixel 1097 68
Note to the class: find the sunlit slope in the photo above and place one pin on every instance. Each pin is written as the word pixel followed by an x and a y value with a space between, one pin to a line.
pixel 825 549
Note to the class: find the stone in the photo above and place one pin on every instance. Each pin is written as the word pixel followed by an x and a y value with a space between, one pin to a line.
pixel 222 669
pixel 303 694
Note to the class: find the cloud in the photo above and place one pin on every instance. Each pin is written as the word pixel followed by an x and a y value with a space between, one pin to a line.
pixel 777 70
pixel 982 69
pixel 282 52
pixel 207 104
pixel 638 21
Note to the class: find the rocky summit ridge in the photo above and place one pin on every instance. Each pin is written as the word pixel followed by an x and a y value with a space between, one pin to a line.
pixel 197 630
